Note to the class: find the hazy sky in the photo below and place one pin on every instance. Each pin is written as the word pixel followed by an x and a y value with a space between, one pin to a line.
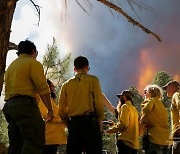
pixel 120 54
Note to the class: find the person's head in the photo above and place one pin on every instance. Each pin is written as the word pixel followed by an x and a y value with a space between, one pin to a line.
pixel 120 102
pixel 27 47
pixel 171 87
pixel 126 95
pixel 81 64
pixel 151 91
pixel 52 89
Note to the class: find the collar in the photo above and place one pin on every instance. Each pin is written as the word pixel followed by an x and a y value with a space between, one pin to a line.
pixel 128 102
pixel 23 55
pixel 155 98
pixel 79 74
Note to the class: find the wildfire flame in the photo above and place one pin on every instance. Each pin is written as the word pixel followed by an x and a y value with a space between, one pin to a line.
pixel 176 77
pixel 146 72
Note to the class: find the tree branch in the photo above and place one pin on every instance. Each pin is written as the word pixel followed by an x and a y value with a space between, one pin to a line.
pixel 129 18
pixel 12 46
pixel 82 7
pixel 37 7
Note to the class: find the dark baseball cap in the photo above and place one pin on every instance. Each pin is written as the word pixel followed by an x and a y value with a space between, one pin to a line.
pixel 126 93
pixel 173 83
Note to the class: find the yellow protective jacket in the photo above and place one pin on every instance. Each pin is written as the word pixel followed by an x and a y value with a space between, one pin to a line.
pixel 54 130
pixel 128 126
pixel 175 111
pixel 25 76
pixel 78 94
pixel 155 114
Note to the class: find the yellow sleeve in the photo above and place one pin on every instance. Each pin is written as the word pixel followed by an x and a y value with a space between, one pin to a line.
pixel 42 109
pixel 38 78
pixel 97 94
pixel 176 100
pixel 57 118
pixel 123 119
pixel 63 103
pixel 147 107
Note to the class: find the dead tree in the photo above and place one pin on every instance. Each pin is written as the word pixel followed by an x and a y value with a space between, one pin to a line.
pixel 7 8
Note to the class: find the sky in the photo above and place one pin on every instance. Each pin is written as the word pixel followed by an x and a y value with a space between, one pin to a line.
pixel 120 54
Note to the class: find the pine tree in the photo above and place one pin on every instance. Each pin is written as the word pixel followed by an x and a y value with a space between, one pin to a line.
pixel 160 79
pixel 56 69
pixel 137 98
pixel 4 141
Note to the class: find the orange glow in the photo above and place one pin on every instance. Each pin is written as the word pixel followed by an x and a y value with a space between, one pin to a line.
pixel 147 71
pixel 176 77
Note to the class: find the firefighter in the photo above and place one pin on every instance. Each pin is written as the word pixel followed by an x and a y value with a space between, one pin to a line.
pixel 173 90
pixel 127 126
pixel 80 105
pixel 23 79
pixel 154 118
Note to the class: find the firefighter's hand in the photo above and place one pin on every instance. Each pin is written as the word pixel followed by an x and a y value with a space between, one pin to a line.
pixel 109 131
pixel 50 116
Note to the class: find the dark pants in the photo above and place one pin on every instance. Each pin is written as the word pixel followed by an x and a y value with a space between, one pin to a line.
pixel 158 149
pixel 176 147
pixel 50 149
pixel 125 149
pixel 84 135
pixel 26 127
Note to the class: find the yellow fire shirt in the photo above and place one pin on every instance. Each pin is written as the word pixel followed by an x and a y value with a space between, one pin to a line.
pixel 155 114
pixel 77 95
pixel 25 76
pixel 128 126
pixel 175 111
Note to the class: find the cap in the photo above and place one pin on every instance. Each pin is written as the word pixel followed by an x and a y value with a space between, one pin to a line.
pixel 126 93
pixel 173 83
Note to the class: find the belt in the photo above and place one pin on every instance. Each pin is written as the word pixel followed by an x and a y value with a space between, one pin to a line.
pixel 80 117
pixel 21 96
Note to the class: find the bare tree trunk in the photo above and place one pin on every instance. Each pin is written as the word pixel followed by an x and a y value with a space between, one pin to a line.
pixel 7 8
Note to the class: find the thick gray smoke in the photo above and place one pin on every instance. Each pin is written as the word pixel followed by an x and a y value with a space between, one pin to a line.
pixel 114 46
pixel 120 54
